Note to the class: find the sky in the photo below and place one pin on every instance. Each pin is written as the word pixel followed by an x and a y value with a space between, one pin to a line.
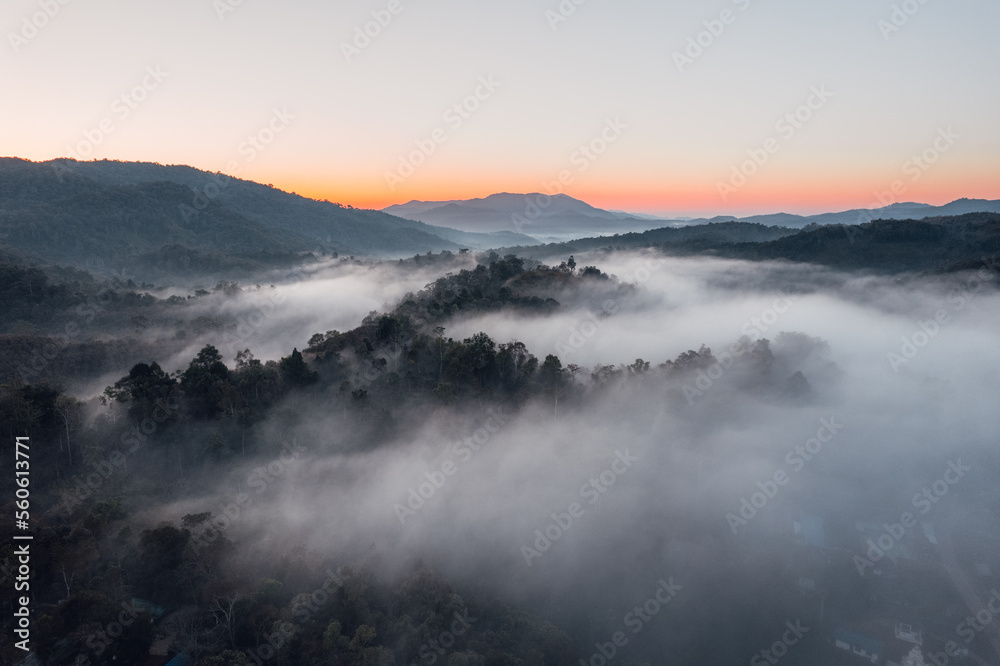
pixel 731 107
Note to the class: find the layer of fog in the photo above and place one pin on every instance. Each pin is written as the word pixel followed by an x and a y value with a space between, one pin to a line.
pixel 281 310
pixel 666 514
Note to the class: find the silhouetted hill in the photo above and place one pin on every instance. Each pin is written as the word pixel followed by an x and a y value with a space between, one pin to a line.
pixel 106 216
pixel 896 211
pixel 932 244
pixel 343 228
pixel 711 233
pixel 937 244
pixel 535 214
pixel 78 222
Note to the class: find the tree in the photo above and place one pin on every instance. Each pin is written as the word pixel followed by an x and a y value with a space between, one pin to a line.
pixel 256 383
pixel 295 371
pixel 194 636
pixel 639 367
pixel 207 358
pixel 551 371
pixel 161 555
pixel 515 365
pixel 481 354
pixel 553 378
pixel 232 403
pixel 444 392
pixel 68 410
pixel 203 382
pixel 506 268
pixel 146 388
pixel 224 608
pixel 245 358
pixel 390 329
pixel 363 637
pixel 439 343
pixel 594 272
pixel 333 638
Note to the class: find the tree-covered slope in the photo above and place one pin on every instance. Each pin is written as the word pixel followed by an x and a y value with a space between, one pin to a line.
pixel 933 244
pixel 342 228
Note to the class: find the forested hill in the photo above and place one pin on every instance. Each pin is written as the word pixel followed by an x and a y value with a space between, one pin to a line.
pixel 78 222
pixel 711 233
pixel 937 244
pixel 108 215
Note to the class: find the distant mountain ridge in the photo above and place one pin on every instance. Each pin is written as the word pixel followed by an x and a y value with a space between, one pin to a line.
pixel 535 214
pixel 896 211
pixel 565 216
pixel 104 216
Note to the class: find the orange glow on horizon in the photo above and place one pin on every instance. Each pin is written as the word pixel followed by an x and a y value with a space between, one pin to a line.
pixel 803 192
pixel 803 200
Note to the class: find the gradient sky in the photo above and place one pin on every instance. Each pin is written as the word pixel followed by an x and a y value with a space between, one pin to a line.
pixel 686 130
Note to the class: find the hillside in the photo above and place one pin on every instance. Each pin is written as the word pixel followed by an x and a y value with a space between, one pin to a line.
pixel 711 234
pixel 358 230
pixel 106 215
pixel 938 244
